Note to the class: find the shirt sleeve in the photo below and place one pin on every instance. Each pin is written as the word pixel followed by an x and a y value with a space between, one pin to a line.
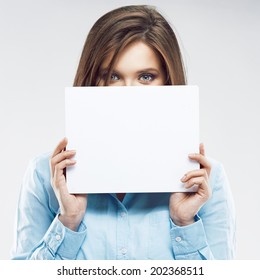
pixel 219 217
pixel 39 234
pixel 60 242
pixel 212 236
pixel 189 241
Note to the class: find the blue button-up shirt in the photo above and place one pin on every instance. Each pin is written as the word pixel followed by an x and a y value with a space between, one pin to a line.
pixel 139 227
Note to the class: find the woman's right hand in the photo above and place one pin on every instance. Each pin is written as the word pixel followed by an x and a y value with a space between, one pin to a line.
pixel 72 206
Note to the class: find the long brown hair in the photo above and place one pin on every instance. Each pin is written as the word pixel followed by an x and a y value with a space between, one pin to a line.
pixel 121 27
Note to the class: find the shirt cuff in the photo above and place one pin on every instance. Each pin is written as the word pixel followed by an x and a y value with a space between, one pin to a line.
pixel 62 241
pixel 188 239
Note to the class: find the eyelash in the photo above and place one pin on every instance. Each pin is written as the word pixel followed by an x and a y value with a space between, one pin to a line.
pixel 115 74
pixel 149 75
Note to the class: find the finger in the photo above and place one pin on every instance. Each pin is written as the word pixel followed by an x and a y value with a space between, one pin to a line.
pixel 63 155
pixel 58 170
pixel 194 173
pixel 201 159
pixel 60 147
pixel 202 149
pixel 200 181
pixel 60 157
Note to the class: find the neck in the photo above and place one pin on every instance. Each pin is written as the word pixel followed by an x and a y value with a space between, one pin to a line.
pixel 120 196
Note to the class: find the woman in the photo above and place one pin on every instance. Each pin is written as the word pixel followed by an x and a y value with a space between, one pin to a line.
pixel 132 45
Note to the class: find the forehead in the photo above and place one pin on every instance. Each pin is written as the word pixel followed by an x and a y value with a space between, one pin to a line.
pixel 135 55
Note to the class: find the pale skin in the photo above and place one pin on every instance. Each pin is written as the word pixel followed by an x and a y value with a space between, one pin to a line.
pixel 137 65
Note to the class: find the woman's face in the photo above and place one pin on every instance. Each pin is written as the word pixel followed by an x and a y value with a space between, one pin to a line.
pixel 137 65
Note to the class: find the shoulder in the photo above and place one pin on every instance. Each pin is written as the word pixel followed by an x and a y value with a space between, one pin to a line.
pixel 218 177
pixel 216 167
pixel 39 166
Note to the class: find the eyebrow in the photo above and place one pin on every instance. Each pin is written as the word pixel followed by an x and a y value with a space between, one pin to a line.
pixel 145 70
pixel 148 70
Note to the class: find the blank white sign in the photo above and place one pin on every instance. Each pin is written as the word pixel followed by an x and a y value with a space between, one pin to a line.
pixel 131 139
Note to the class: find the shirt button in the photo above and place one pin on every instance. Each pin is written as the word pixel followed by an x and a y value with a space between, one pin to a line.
pixel 123 214
pixel 123 251
pixel 178 239
pixel 58 237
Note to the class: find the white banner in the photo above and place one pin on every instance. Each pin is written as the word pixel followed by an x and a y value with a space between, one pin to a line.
pixel 143 270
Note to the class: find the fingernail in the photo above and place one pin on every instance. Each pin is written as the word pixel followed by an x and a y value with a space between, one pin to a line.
pixel 184 178
pixel 192 155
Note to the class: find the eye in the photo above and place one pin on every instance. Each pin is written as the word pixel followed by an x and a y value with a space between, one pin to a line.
pixel 114 77
pixel 146 77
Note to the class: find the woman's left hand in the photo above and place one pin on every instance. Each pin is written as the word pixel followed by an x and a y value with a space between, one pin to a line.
pixel 184 206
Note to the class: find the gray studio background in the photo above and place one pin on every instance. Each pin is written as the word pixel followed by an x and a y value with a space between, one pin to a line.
pixel 40 45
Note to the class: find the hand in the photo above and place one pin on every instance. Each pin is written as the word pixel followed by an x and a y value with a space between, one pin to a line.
pixel 184 206
pixel 72 207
